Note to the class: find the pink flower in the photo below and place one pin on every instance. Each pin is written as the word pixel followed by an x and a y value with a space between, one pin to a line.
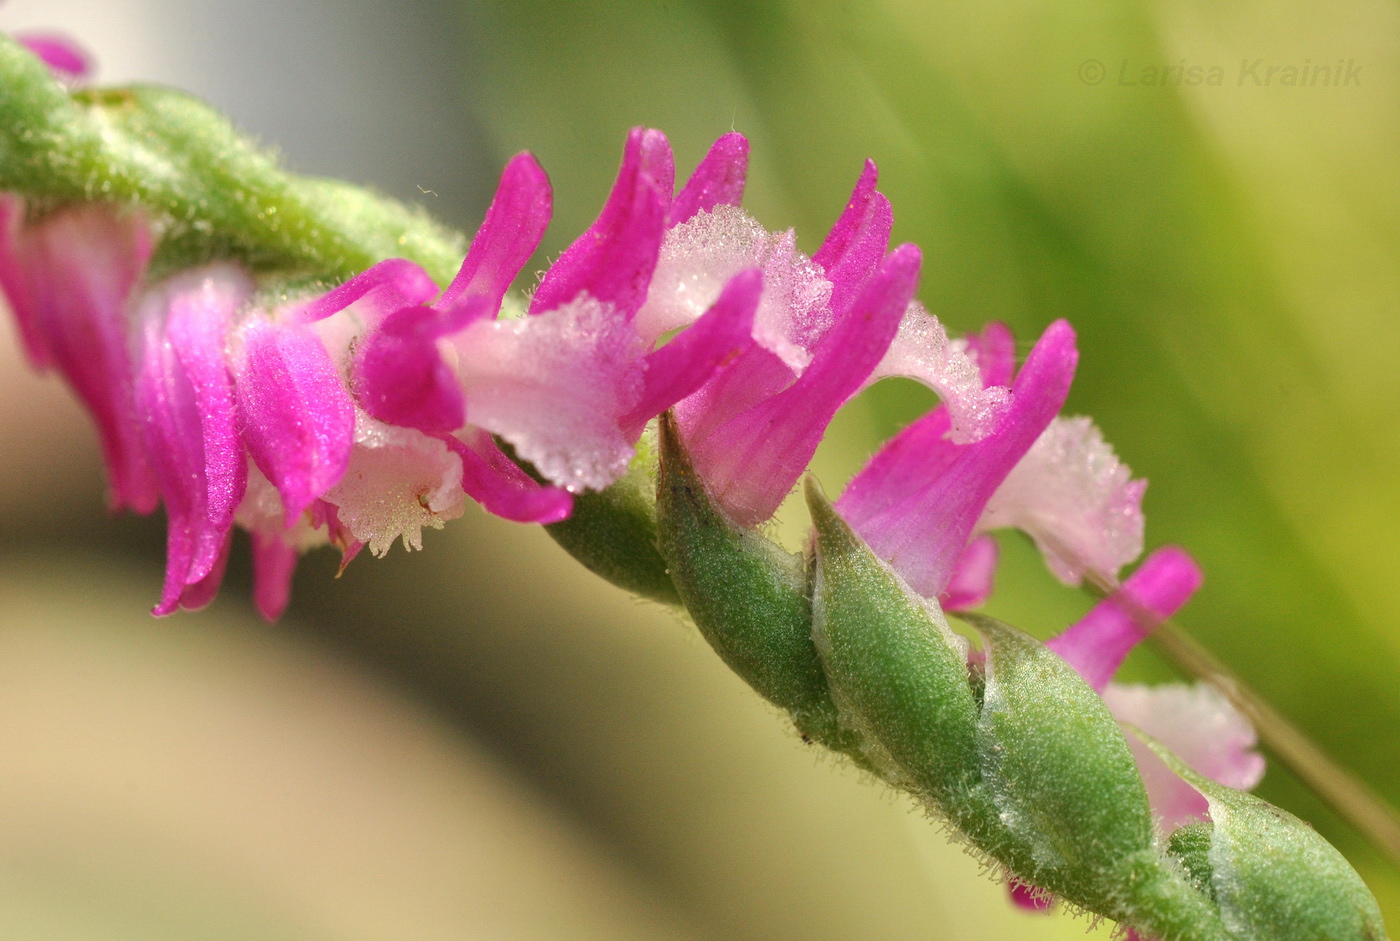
pixel 67 278
pixel 230 413
pixel 925 501
pixel 920 499
pixel 1197 723
pixel 826 328
pixel 572 383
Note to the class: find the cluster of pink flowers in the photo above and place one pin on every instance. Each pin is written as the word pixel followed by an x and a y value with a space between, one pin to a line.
pixel 362 415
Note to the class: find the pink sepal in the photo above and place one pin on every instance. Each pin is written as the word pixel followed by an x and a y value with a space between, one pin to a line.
pixel 994 350
pixel 498 484
pixel 298 420
pixel 511 232
pixel 400 376
pixel 202 593
pixel 717 181
pixel 387 287
pixel 274 564
pixel 683 365
pixel 64 57
pixel 971 583
pixel 67 277
pixel 185 401
pixel 1098 643
pixel 613 260
pixel 916 502
pixel 857 242
pixel 751 462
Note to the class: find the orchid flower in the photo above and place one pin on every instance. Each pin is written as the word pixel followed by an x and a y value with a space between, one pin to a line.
pixel 570 385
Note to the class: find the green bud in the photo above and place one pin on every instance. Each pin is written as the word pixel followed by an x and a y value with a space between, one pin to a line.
pixel 746 594
pixel 613 532
pixel 899 673
pixel 1272 875
pixel 1059 765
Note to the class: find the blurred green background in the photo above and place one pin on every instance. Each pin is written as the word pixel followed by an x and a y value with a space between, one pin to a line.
pixel 482 741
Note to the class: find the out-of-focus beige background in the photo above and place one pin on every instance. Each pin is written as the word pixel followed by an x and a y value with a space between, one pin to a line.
pixel 482 740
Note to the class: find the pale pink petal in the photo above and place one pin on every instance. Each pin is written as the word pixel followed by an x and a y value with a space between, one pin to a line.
pixel 699 257
pixel 507 238
pixel 383 289
pixel 399 481
pixel 683 365
pixel 1072 496
pixel 612 262
pixel 298 419
pixel 971 583
pixel 918 499
pixel 751 462
pixel 68 277
pixel 921 351
pixel 717 181
pixel 274 564
pixel 497 483
pixel 64 57
pixel 556 386
pixel 1200 726
pixel 1099 642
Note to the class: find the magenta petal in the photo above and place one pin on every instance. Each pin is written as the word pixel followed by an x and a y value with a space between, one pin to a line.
pixel 62 55
pixel 844 231
pixel 717 181
pixel 185 399
pixel 1029 898
pixel 752 461
pixel 400 376
pixel 971 583
pixel 857 242
pixel 201 594
pixel 389 285
pixel 613 261
pixel 680 367
pixel 918 499
pixel 498 484
pixel 994 349
pixel 68 277
pixel 511 232
pixel 1097 644
pixel 298 420
pixel 274 564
